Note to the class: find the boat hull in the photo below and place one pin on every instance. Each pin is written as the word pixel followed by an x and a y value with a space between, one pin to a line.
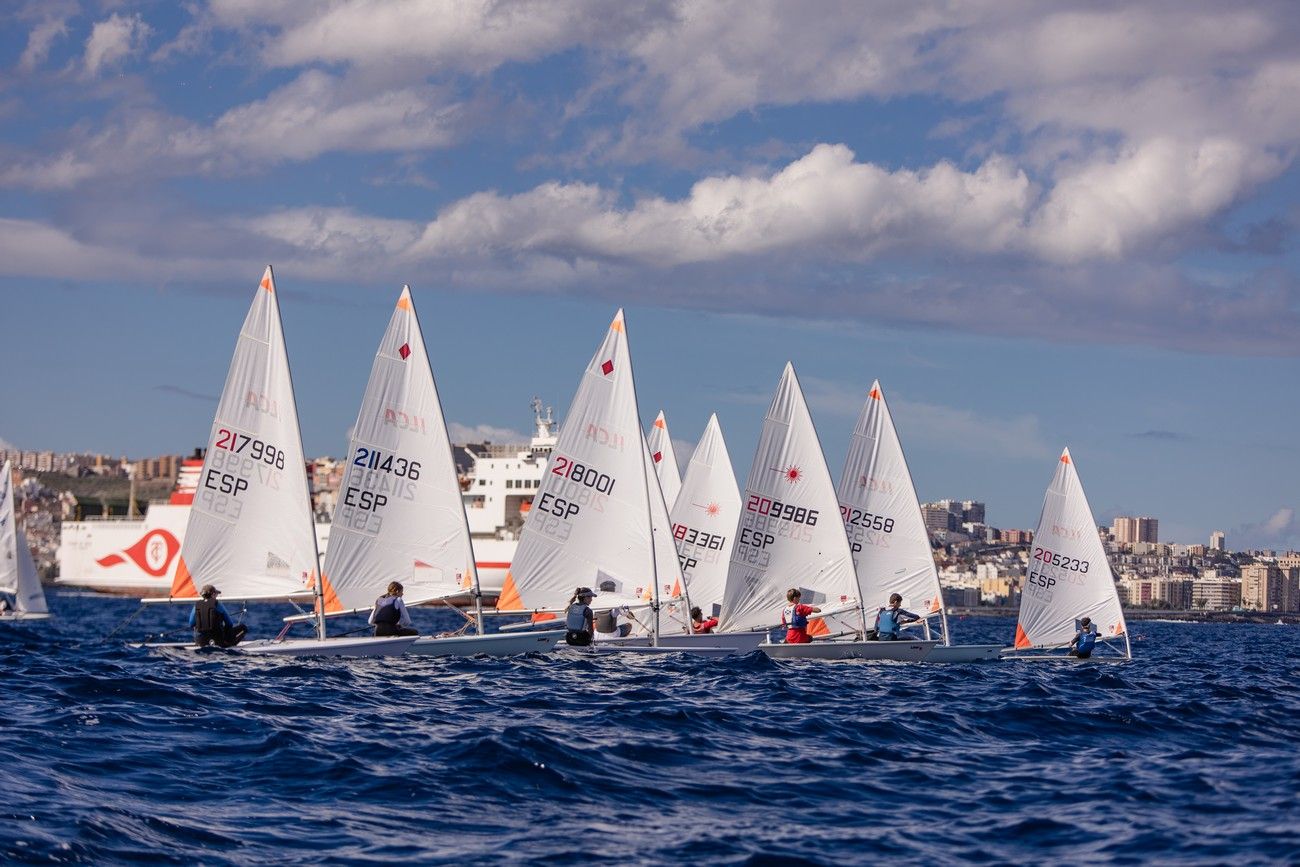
pixel 739 642
pixel 496 644
pixel 351 647
pixel 966 653
pixel 898 651
pixel 617 647
pixel 13 615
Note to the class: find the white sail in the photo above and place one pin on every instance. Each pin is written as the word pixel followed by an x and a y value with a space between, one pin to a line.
pixel 8 534
pixel 250 532
pixel 670 590
pixel 1069 577
pixel 29 596
pixel 399 514
pixel 590 520
pixel 882 517
pixel 790 533
pixel 665 461
pixel 704 520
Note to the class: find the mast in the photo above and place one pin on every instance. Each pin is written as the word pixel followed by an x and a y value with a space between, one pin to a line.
pixel 645 480
pixel 318 589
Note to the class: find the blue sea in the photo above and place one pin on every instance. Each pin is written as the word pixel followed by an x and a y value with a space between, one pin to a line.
pixel 1188 754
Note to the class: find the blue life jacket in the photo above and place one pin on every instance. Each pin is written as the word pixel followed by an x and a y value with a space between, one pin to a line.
pixel 794 619
pixel 387 610
pixel 575 619
pixel 1086 641
pixel 887 622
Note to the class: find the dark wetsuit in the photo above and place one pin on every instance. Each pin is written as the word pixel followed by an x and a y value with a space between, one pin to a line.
pixel 212 625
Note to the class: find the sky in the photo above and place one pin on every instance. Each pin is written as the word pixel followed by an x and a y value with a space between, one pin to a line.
pixel 1038 225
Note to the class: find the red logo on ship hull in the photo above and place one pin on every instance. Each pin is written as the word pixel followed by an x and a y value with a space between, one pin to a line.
pixel 154 553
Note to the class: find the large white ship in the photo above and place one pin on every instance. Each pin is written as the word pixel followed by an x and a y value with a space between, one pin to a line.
pixel 133 556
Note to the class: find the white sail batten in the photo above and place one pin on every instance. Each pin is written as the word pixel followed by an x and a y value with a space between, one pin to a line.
pixel 704 519
pixel 882 516
pixel 790 533
pixel 1069 577
pixel 250 530
pixel 399 513
pixel 665 460
pixel 590 523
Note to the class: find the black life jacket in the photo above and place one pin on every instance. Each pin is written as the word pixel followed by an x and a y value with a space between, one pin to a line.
pixel 387 610
pixel 206 616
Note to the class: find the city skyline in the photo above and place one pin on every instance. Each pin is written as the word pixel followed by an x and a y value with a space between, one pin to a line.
pixel 1038 227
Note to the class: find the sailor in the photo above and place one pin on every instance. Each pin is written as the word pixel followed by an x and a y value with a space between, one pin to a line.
pixel 891 619
pixel 701 626
pixel 578 619
pixel 211 621
pixel 390 616
pixel 795 618
pixel 1083 642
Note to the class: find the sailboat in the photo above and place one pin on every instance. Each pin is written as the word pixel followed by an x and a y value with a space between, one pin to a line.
pixel 599 520
pixel 704 520
pixel 790 535
pixel 1069 578
pixel 887 534
pixel 250 532
pixel 399 514
pixel 665 461
pixel 18 576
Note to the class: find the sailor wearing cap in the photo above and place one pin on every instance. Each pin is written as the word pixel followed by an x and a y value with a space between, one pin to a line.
pixel 578 619
pixel 211 621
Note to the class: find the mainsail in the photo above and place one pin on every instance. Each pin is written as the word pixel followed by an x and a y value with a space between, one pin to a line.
pixel 882 517
pixel 704 519
pixel 665 462
pixel 790 534
pixel 591 520
pixel 1069 577
pixel 250 531
pixel 399 513
pixel 17 569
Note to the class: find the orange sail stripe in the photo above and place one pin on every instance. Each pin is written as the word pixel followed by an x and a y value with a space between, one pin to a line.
pixel 818 626
pixel 510 600
pixel 1022 640
pixel 542 615
pixel 331 598
pixel 183 583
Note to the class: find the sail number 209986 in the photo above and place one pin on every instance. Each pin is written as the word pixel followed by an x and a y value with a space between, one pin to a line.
pixel 782 511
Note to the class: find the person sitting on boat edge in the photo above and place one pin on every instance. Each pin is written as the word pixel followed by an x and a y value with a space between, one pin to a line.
pixel 892 618
pixel 578 619
pixel 699 625
pixel 211 621
pixel 1083 642
pixel 390 616
pixel 795 618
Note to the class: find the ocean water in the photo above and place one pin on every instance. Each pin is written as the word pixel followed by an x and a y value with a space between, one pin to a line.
pixel 1188 754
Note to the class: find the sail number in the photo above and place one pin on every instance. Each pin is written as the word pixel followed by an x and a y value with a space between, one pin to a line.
pixel 1052 558
pixel 374 459
pixel 858 518
pixel 257 450
pixel 691 536
pixel 568 468
pixel 782 511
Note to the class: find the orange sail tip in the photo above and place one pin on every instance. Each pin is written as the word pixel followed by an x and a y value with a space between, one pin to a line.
pixel 404 300
pixel 1065 456
pixel 659 422
pixel 617 324
pixel 183 583
pixel 818 627
pixel 509 600
pixel 268 283
pixel 329 595
pixel 934 605
pixel 1022 640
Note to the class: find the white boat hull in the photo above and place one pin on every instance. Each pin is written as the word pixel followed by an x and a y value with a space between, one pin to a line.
pixel 1021 656
pixel 358 646
pixel 612 647
pixel 496 644
pixel 14 615
pixel 965 653
pixel 899 651
pixel 739 642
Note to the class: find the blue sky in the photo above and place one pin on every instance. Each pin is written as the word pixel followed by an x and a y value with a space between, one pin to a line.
pixel 1038 225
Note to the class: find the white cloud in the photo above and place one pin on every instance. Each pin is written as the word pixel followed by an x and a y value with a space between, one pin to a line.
pixel 1280 530
pixel 39 42
pixel 114 40
pixel 461 434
